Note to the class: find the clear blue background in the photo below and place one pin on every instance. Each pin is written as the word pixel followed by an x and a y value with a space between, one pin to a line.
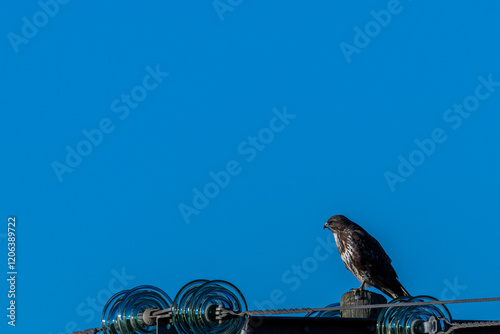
pixel 119 208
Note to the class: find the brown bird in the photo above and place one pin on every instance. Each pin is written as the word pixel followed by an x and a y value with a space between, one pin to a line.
pixel 364 257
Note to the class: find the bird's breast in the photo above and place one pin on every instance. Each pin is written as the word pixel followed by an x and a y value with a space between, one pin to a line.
pixel 345 247
pixel 337 242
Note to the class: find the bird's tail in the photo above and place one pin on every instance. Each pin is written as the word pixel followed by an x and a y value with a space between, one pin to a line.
pixel 392 287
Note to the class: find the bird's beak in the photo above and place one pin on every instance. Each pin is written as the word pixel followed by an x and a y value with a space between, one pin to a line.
pixel 325 226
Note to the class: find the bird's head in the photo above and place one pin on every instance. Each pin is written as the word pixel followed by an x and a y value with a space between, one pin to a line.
pixel 336 223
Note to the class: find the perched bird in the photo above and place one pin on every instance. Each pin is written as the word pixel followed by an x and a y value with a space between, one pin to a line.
pixel 364 257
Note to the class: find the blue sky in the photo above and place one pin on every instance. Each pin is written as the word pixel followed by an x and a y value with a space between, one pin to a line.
pixel 162 142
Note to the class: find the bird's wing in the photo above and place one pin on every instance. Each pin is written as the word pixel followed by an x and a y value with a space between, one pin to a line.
pixel 372 255
pixel 373 258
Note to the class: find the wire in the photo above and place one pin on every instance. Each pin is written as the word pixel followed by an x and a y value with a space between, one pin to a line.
pixel 454 326
pixel 353 307
pixel 89 331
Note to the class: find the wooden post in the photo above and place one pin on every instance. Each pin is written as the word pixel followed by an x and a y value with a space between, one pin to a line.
pixel 366 298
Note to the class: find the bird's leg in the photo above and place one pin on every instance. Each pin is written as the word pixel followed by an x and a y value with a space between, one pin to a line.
pixel 358 292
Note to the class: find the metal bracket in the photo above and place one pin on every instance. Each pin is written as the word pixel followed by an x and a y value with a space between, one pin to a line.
pixel 430 326
pixel 221 313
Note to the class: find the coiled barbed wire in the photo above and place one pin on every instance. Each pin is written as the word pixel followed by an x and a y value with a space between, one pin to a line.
pixel 341 308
